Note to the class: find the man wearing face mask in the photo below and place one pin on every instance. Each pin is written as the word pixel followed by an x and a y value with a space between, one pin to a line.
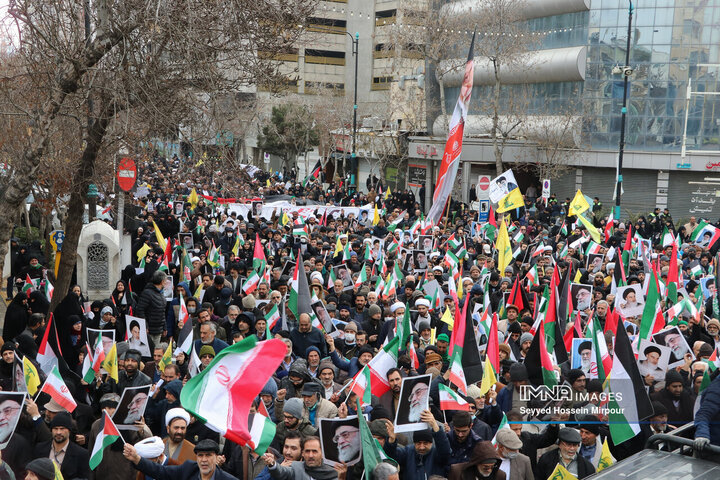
pixel 566 455
pixel 515 465
pixel 484 464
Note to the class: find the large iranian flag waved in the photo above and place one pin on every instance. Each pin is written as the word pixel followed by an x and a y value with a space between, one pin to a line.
pixel 450 400
pixel 222 394
pixel 453 146
pixel 380 364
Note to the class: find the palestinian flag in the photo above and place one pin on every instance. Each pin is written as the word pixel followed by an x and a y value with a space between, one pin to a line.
pixel 251 283
pixel 380 364
pixel 185 338
pixel 29 285
pixel 165 265
pixel 546 364
pixel 314 173
pixel 300 229
pixel 222 394
pixel 213 256
pixel 272 317
pixel 450 400
pixel 55 387
pixel 362 386
pixel 262 432
pixel 630 397
pixel 299 301
pixel 107 435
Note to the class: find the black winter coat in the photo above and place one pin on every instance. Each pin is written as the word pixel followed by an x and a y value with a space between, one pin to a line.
pixel 151 306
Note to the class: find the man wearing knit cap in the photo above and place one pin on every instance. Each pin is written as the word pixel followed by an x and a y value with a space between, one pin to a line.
pixel 515 465
pixel 205 468
pixel 591 446
pixel 206 354
pixel 678 400
pixel 443 341
pixel 176 447
pixel 525 342
pixel 72 458
pixel 422 459
pixel 374 324
pixel 131 376
pixel 330 387
pixel 355 364
pixel 292 413
pixel 347 346
pixel 509 397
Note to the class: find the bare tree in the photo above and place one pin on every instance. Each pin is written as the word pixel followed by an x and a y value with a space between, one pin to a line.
pixel 116 72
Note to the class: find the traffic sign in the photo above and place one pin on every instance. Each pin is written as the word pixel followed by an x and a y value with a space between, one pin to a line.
pixel 484 211
pixel 57 237
pixel 484 182
pixel 546 188
pixel 127 173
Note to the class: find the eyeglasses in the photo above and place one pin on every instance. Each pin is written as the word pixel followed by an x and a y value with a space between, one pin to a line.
pixel 347 436
pixel 7 411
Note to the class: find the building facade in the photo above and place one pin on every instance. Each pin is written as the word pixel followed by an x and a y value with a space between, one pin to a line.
pixel 673 131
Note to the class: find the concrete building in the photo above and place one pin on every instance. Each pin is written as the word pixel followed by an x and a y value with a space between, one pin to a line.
pixel 675 49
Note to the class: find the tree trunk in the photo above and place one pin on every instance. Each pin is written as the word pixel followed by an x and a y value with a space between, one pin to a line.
pixel 76 207
pixel 443 107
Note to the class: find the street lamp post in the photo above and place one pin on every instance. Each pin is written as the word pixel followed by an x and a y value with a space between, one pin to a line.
pixel 355 43
pixel 626 72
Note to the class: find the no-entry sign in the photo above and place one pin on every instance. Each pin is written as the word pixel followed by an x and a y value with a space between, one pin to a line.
pixel 127 173
pixel 484 182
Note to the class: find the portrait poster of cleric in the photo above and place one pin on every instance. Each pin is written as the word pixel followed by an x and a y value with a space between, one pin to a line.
pixel 673 339
pixel 131 407
pixel 414 398
pixel 340 439
pixel 11 405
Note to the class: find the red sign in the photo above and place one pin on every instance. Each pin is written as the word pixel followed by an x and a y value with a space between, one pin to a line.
pixel 126 174
pixel 484 183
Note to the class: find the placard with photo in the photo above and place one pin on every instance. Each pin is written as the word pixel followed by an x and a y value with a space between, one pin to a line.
pixel 425 243
pixel 653 360
pixel 136 330
pixel 414 399
pixel 342 273
pixel 108 338
pixel 11 406
pixel 581 296
pixel 583 357
pixel 131 407
pixel 673 339
pixel 594 262
pixel 420 260
pixel 340 440
pixel 630 300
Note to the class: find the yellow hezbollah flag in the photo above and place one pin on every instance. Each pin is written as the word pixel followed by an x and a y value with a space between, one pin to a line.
pixel 166 358
pixel 594 233
pixel 387 194
pixel 142 251
pixel 32 379
pixel 110 364
pixel 158 235
pixel 489 379
pixel 338 248
pixel 193 199
pixel 578 204
pixel 511 201
pixel 606 458
pixel 448 318
pixel 502 244
pixel 58 474
pixel 376 216
pixel 561 473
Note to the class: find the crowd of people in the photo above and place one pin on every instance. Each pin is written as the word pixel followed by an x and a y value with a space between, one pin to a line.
pixel 370 272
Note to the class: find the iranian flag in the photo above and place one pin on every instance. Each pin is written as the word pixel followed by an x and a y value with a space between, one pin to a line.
pixel 546 363
pixel 450 400
pixel 503 424
pixel 453 146
pixel 331 279
pixel 361 278
pixel 457 375
pixel 532 276
pixel 380 364
pixel 592 248
pixel 262 432
pixel 49 289
pixel 259 261
pixel 609 227
pixel 251 283
pixel 222 394
pixel 98 356
pixel 107 435
pixel 88 374
pixel 667 238
pixel 56 388
pixel 652 317
pixel 272 317
pixel 362 386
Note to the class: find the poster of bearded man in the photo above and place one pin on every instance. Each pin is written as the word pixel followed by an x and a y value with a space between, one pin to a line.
pixel 414 399
pixel 340 439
